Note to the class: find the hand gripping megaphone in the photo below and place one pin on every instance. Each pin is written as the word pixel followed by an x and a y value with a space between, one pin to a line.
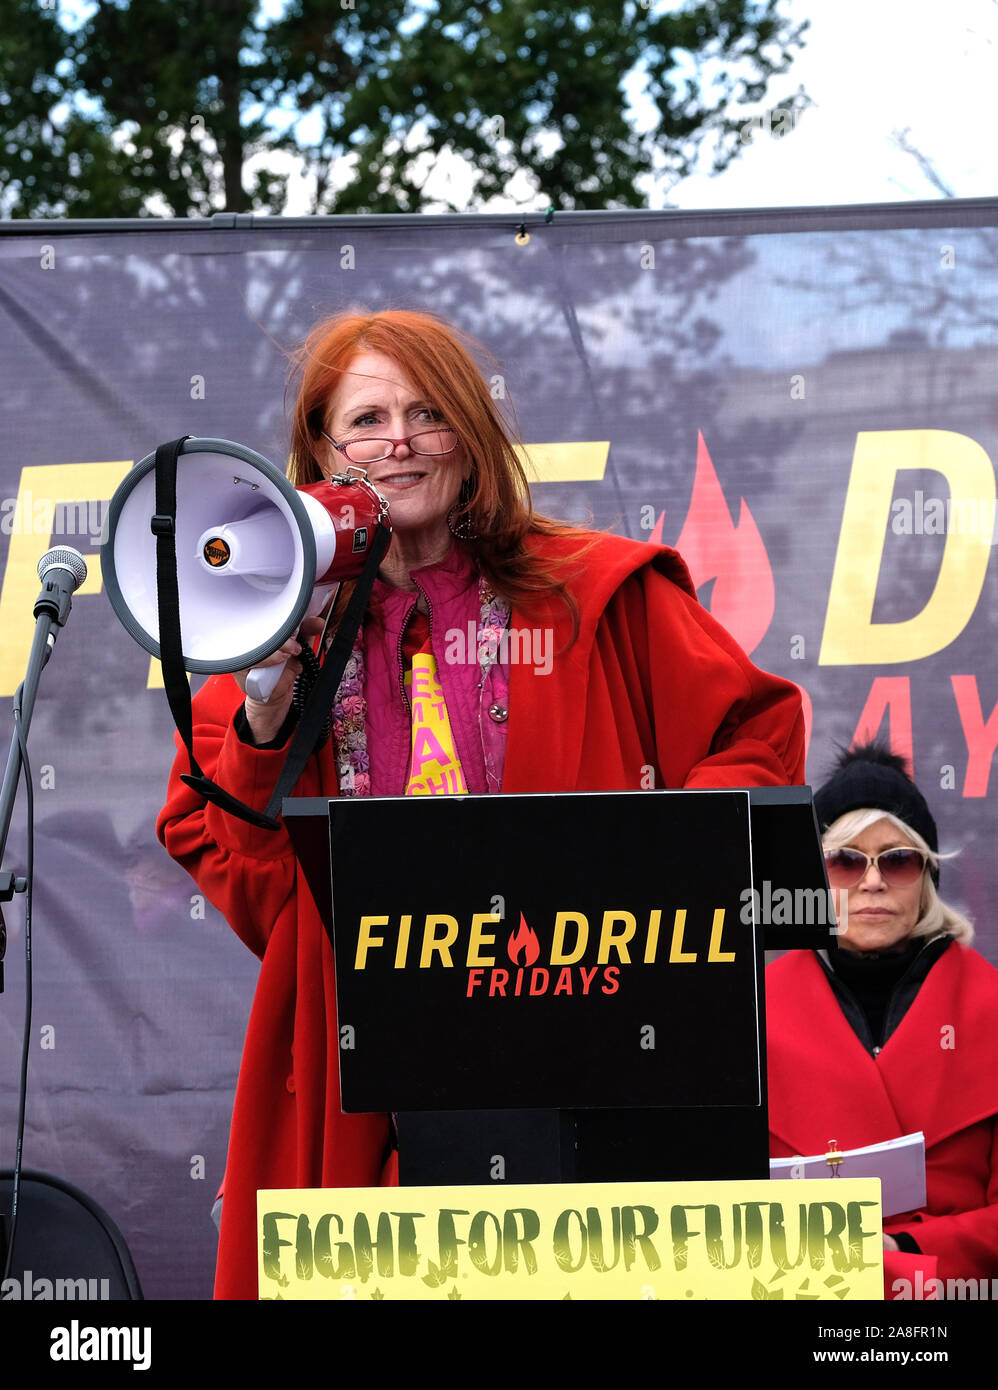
pixel 255 555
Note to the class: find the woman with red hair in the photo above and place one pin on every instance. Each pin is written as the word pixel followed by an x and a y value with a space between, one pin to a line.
pixel 634 684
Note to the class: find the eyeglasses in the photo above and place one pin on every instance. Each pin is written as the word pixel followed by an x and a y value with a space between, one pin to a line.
pixel 897 867
pixel 426 443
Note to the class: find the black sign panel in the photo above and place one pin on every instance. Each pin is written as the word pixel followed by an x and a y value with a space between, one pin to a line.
pixel 565 951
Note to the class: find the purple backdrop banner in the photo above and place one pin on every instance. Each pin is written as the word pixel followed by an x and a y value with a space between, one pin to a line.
pixel 803 402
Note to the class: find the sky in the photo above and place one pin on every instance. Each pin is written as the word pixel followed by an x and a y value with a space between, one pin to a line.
pixel 873 67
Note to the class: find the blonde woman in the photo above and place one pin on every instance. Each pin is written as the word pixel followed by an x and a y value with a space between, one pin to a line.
pixel 897 1030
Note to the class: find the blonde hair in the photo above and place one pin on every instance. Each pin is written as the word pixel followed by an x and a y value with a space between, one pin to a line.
pixel 935 916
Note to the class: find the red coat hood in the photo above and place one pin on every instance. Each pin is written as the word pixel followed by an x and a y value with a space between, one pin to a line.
pixel 665 638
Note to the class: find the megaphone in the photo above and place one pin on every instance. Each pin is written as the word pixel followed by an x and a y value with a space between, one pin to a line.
pixel 255 555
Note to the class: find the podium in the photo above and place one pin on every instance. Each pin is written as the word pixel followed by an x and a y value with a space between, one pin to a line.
pixel 562 988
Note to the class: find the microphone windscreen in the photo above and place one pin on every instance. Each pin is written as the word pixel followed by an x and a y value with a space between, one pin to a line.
pixel 63 557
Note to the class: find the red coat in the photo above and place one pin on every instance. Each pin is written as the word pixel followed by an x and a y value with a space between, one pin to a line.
pixel 937 1072
pixel 651 681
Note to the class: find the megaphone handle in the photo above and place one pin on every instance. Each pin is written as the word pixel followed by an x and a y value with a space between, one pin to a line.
pixel 261 681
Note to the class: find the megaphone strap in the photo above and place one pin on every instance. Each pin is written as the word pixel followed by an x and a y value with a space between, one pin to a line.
pixel 323 693
pixel 178 688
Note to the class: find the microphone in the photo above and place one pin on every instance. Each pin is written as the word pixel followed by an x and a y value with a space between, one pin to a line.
pixel 62 570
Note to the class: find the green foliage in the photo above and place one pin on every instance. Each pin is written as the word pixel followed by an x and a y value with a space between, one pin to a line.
pixel 180 108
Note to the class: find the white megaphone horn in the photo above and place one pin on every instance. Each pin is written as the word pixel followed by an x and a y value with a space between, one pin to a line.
pixel 255 555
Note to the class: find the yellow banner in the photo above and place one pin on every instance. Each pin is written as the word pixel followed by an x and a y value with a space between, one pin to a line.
pixel 571 462
pixel 705 1240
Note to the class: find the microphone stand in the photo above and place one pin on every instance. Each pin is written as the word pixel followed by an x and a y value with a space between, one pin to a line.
pixel 61 571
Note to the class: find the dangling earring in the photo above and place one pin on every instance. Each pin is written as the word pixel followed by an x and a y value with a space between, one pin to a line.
pixel 459 521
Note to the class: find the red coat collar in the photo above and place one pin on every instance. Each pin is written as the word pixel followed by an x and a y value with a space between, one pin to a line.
pixel 938 1071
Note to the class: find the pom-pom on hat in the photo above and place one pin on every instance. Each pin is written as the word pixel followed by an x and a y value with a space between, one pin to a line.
pixel 871 776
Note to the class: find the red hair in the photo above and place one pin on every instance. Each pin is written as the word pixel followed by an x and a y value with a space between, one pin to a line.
pixel 439 360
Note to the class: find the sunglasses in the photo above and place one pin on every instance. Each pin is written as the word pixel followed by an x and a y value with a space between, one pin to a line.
pixel 897 867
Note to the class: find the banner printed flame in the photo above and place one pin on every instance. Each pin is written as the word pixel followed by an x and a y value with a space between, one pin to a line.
pixel 734 555
pixel 526 941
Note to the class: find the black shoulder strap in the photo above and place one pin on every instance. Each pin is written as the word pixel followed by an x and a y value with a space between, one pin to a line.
pixel 324 691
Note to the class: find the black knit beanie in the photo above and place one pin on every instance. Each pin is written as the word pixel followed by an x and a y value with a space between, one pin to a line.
pixel 871 776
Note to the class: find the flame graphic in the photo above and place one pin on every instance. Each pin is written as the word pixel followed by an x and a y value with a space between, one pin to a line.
pixel 733 555
pixel 526 941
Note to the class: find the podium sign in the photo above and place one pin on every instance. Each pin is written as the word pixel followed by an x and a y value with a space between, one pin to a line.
pixel 545 951
pixel 698 1240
